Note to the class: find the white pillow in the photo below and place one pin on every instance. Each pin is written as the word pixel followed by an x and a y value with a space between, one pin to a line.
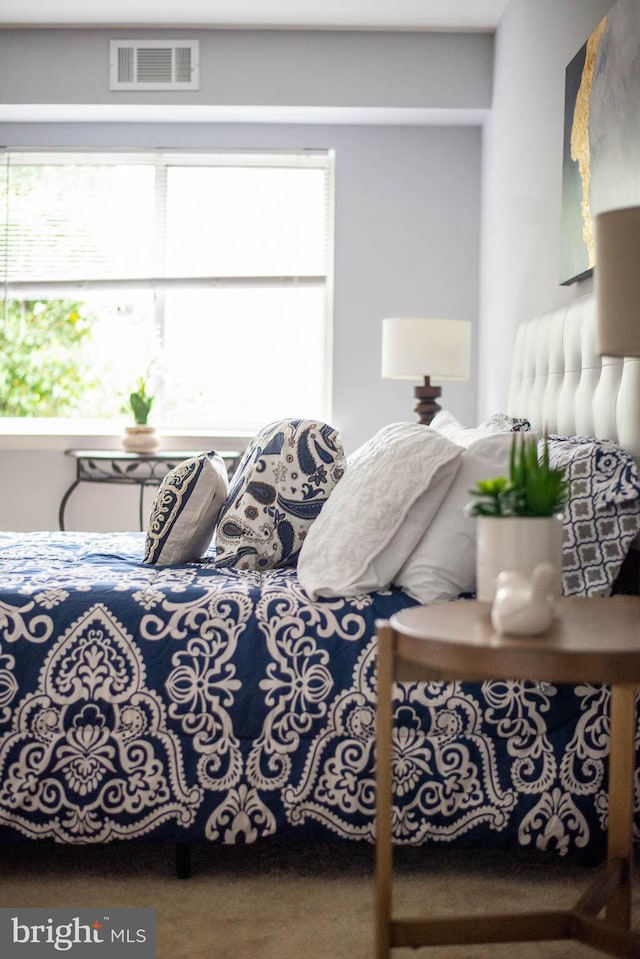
pixel 443 564
pixel 445 423
pixel 390 492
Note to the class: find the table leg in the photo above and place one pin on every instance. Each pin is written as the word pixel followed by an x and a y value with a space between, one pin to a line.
pixel 621 775
pixel 63 504
pixel 384 779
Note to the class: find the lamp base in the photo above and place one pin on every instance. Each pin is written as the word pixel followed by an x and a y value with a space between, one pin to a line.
pixel 427 395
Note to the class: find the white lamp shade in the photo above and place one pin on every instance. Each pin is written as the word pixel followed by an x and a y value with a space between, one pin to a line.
pixel 617 282
pixel 414 347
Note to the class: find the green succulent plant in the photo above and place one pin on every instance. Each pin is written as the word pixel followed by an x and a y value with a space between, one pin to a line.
pixel 141 402
pixel 533 487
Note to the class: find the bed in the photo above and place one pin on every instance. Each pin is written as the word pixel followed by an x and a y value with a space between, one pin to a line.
pixel 227 694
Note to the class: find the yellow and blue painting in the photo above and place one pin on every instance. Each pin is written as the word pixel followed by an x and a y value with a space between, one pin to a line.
pixel 601 134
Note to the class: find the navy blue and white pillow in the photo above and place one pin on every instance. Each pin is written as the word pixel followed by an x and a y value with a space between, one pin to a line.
pixel 602 515
pixel 185 511
pixel 282 482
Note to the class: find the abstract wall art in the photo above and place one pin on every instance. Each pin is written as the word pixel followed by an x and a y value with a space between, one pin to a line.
pixel 601 162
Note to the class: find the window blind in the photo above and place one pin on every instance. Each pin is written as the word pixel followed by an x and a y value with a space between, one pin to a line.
pixel 155 219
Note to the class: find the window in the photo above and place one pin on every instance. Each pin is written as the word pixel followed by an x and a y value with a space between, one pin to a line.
pixel 210 273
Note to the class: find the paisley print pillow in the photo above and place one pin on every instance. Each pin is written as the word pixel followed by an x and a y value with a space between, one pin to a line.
pixel 185 511
pixel 281 484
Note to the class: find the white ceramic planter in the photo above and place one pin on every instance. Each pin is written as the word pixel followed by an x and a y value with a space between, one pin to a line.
pixel 516 544
pixel 140 439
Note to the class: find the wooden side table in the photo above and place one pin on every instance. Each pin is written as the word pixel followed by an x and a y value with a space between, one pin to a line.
pixel 592 640
pixel 130 469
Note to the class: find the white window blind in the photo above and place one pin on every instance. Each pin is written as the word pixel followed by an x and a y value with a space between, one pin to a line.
pixel 154 219
pixel 212 270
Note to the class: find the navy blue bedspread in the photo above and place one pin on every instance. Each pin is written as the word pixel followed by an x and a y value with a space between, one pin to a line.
pixel 197 703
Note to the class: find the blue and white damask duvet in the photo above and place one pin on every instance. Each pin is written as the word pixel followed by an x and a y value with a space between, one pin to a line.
pixel 197 703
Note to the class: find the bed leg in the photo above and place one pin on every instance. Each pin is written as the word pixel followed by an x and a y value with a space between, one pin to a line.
pixel 183 860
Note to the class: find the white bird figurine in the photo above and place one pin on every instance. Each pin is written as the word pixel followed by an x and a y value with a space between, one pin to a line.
pixel 524 605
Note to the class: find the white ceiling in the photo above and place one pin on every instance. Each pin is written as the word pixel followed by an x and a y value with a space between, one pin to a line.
pixel 323 14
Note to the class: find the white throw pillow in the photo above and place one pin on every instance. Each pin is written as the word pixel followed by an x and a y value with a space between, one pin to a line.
pixel 445 422
pixel 389 494
pixel 443 564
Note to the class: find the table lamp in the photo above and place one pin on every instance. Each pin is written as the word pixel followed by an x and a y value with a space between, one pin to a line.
pixel 617 282
pixel 418 348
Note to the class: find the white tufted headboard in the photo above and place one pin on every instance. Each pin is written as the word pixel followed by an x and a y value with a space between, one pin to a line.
pixel 561 384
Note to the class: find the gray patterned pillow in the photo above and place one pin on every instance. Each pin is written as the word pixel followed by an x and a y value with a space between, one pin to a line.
pixel 602 515
pixel 185 511
pixel 503 423
pixel 278 489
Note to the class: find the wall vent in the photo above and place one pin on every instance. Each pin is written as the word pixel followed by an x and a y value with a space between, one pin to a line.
pixel 154 65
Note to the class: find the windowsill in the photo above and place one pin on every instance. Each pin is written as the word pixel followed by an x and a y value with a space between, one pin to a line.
pixel 40 436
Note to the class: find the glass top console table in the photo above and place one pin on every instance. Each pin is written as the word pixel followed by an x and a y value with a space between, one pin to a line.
pixel 130 469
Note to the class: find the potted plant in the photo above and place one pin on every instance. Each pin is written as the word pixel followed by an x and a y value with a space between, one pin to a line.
pixel 141 437
pixel 519 522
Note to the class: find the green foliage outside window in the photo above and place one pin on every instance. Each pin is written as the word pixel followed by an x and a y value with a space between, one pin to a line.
pixel 41 366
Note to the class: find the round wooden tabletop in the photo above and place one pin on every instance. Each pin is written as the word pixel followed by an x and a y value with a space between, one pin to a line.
pixel 590 640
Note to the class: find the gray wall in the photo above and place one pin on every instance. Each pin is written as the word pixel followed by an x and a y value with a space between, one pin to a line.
pixel 407 210
pixel 522 183
pixel 411 200
pixel 260 68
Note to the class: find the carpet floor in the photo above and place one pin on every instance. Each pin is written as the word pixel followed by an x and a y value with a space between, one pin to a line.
pixel 294 902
